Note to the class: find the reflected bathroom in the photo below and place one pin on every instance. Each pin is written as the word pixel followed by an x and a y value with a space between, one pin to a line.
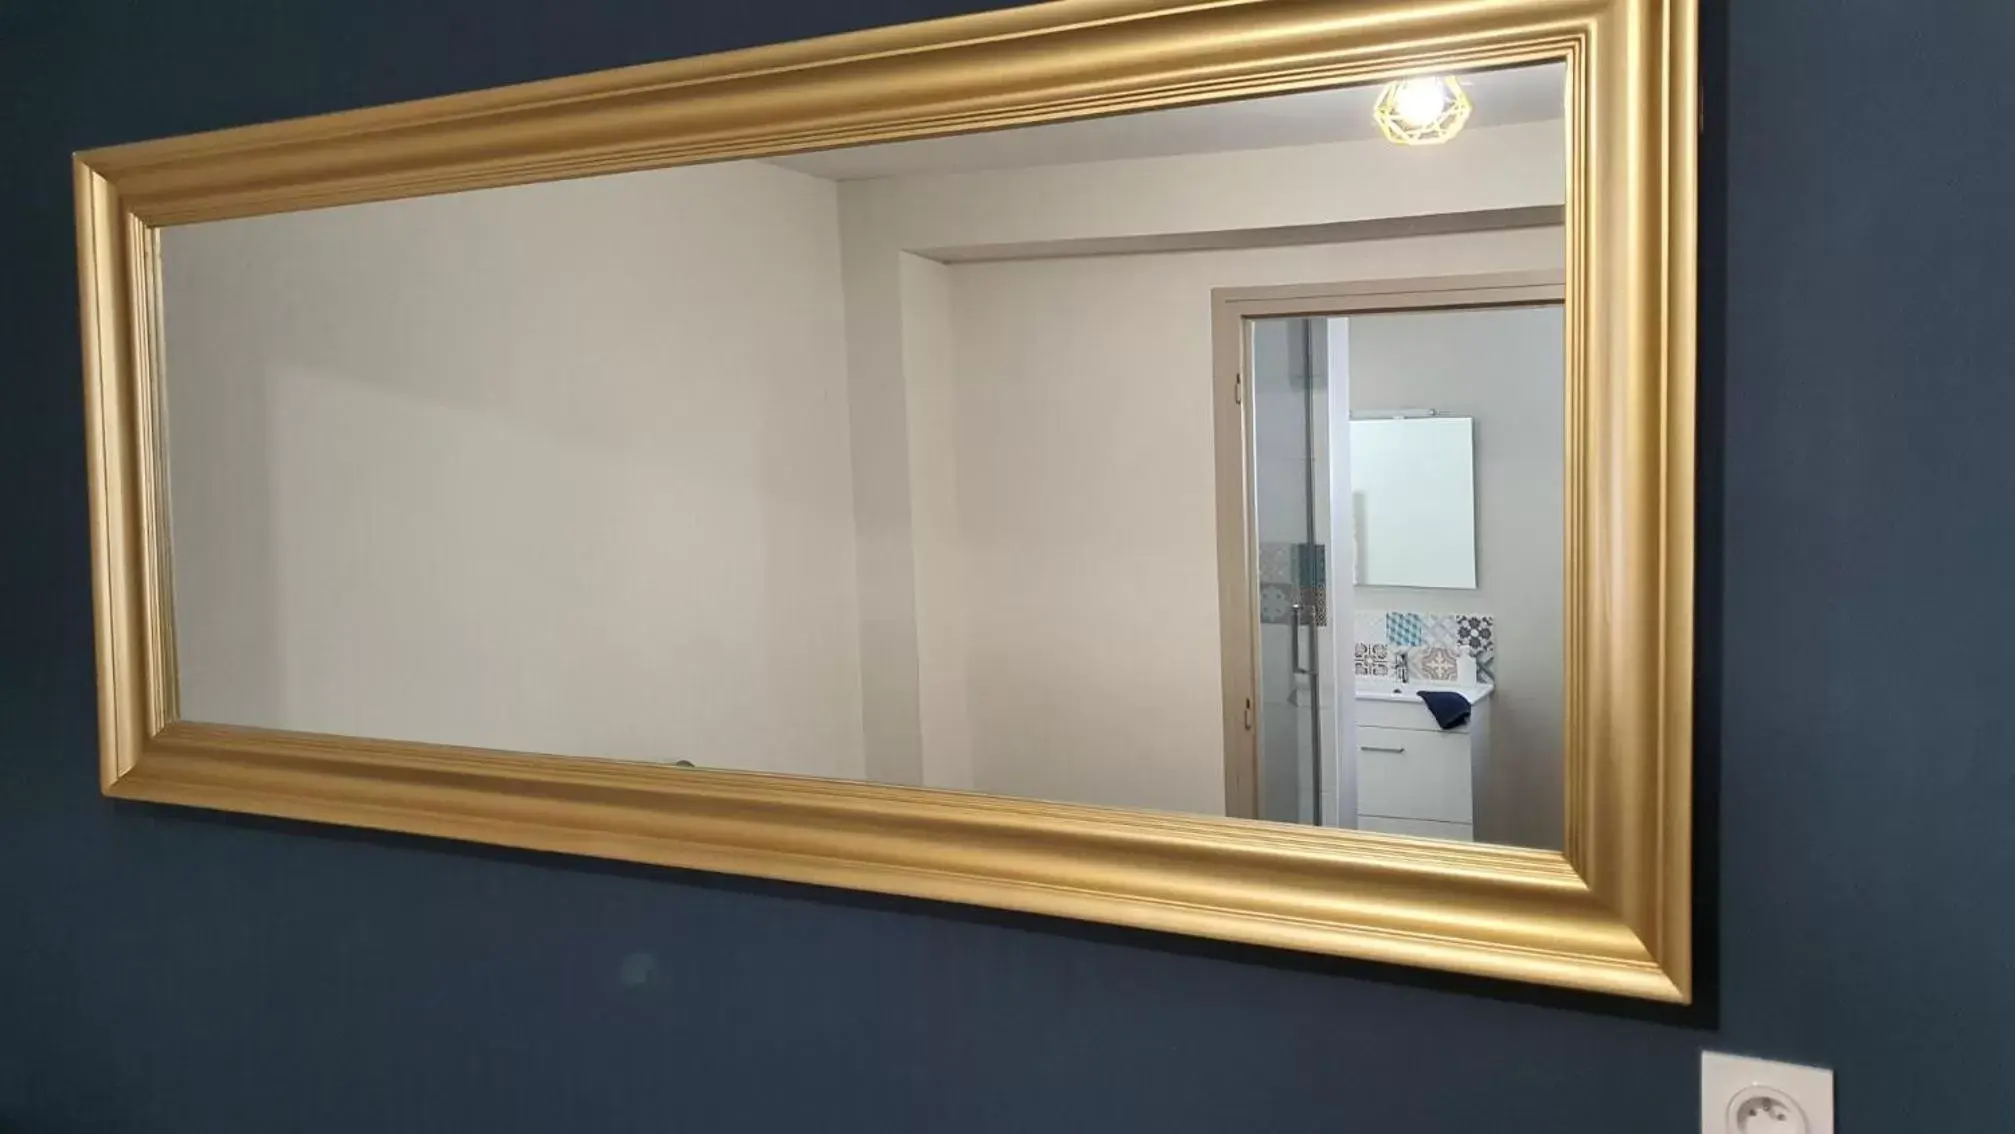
pixel 1407 484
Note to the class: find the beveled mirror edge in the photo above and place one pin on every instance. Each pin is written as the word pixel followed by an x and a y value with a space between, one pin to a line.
pixel 1613 914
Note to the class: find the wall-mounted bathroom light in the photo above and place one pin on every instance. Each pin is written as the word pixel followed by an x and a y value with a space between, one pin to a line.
pixel 1423 111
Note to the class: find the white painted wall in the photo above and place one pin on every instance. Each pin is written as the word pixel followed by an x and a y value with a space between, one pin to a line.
pixel 1085 478
pixel 933 407
pixel 525 468
pixel 1501 168
pixel 1504 369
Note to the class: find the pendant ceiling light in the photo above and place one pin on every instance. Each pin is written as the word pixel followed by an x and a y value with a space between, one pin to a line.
pixel 1421 112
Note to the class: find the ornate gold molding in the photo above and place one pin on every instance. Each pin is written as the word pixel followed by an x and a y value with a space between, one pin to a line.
pixel 1612 913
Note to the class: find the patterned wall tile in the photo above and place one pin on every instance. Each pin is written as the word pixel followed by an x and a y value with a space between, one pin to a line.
pixel 1372 659
pixel 1402 629
pixel 1474 631
pixel 1276 563
pixel 1304 563
pixel 1368 626
pixel 1477 634
pixel 1437 630
pixel 1411 636
pixel 1311 564
pixel 1431 663
pixel 1291 573
pixel 1276 602
pixel 1315 606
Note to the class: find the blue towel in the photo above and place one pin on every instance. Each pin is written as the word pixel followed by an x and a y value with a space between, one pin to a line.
pixel 1451 710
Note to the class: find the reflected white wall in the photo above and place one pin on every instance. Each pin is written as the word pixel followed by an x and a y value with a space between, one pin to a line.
pixel 561 468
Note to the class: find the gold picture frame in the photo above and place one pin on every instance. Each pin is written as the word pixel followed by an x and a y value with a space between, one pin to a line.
pixel 1610 913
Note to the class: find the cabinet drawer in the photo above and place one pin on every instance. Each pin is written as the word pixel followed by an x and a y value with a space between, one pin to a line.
pixel 1419 828
pixel 1399 714
pixel 1411 774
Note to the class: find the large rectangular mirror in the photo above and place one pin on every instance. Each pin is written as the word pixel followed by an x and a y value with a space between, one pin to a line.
pixel 888 462
pixel 1221 463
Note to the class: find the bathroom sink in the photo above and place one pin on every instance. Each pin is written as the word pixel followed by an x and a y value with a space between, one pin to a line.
pixel 1372 689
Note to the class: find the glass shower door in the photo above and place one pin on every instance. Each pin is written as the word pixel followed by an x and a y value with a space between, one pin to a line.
pixel 1297 720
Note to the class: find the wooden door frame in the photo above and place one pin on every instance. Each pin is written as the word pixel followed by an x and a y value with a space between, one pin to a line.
pixel 1233 309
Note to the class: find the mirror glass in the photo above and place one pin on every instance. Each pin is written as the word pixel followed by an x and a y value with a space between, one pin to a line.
pixel 904 462
pixel 1412 501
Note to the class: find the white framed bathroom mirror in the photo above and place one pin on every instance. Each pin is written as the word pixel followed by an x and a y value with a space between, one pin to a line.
pixel 1412 499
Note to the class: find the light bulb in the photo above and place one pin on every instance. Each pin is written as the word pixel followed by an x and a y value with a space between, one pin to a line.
pixel 1422 111
pixel 1418 102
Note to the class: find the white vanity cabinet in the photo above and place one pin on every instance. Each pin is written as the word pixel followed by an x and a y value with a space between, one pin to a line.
pixel 1413 776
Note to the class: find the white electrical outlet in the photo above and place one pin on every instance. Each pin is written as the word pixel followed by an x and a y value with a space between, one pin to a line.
pixel 1757 1096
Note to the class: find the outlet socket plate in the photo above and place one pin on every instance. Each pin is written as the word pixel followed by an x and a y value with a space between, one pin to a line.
pixel 1723 1077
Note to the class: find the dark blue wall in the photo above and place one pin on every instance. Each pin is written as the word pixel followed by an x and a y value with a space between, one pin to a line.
pixel 175 971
